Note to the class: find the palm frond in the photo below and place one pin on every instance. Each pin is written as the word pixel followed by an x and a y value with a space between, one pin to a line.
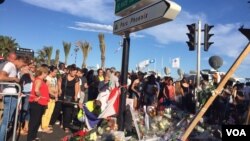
pixel 48 51
pixel 85 48
pixel 57 57
pixel 102 49
pixel 66 47
pixel 7 44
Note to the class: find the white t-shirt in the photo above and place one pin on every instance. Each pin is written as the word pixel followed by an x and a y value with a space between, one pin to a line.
pixel 52 81
pixel 114 81
pixel 11 70
pixel 52 84
pixel 128 82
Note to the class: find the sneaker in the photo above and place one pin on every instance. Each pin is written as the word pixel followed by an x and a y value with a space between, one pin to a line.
pixel 57 123
pixel 40 129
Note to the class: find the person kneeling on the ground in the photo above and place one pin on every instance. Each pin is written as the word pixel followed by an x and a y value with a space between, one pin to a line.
pixel 89 113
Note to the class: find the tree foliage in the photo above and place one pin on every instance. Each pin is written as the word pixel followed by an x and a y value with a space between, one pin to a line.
pixel 41 57
pixel 48 52
pixel 85 47
pixel 102 49
pixel 57 57
pixel 7 44
pixel 66 47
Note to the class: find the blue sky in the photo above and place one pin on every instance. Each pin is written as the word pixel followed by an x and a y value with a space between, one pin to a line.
pixel 38 23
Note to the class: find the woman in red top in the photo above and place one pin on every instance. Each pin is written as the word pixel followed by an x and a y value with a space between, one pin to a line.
pixel 169 91
pixel 39 99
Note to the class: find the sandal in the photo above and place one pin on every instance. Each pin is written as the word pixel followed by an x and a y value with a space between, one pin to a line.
pixel 66 130
pixel 50 127
pixel 48 131
pixel 23 132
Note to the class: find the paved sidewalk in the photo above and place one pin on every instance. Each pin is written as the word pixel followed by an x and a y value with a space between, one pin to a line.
pixel 57 135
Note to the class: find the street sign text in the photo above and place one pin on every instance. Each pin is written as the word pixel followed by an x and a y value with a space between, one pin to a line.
pixel 154 14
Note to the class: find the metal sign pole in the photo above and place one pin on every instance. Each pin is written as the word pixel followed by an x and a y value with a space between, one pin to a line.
pixel 198 54
pixel 124 76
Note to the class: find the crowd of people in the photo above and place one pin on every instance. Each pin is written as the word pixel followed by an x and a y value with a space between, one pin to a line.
pixel 54 95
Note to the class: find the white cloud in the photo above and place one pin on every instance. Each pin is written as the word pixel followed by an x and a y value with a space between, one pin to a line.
pixel 228 40
pixel 159 46
pixel 174 31
pixel 94 27
pixel 98 10
pixel 136 35
pixel 205 59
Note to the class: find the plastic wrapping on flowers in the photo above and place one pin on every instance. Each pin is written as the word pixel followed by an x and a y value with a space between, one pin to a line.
pixel 167 125
pixel 106 131
pixel 203 95
pixel 170 125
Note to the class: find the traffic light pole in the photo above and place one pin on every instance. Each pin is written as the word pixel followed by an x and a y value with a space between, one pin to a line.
pixel 198 55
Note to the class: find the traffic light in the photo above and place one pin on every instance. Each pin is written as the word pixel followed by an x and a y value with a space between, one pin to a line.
pixel 207 36
pixel 191 36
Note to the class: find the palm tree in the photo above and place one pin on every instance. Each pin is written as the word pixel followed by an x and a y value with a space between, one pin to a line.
pixel 66 47
pixel 85 47
pixel 102 49
pixel 41 57
pixel 48 51
pixel 57 57
pixel 7 44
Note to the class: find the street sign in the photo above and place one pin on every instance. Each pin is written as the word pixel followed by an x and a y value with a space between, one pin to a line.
pixel 152 15
pixel 125 7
